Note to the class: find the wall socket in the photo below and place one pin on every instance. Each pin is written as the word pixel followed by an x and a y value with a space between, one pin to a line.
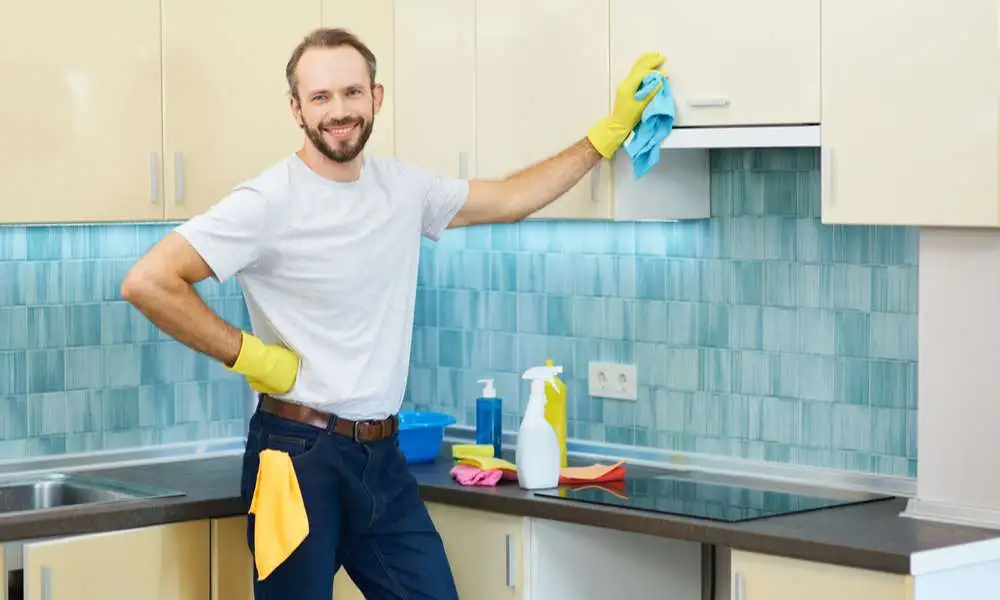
pixel 610 380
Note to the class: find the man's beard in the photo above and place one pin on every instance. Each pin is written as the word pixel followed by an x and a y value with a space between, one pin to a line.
pixel 346 151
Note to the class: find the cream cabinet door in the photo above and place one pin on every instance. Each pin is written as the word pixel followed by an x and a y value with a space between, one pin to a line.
pixel 435 92
pixel 232 563
pixel 226 104
pixel 166 562
pixel 485 550
pixel 763 577
pixel 541 81
pixel 729 62
pixel 910 119
pixel 372 21
pixel 80 111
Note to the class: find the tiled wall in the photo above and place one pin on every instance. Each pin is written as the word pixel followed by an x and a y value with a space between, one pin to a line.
pixel 82 370
pixel 759 333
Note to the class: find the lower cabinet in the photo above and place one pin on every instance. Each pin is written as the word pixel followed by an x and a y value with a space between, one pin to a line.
pixel 166 562
pixel 486 553
pixel 765 577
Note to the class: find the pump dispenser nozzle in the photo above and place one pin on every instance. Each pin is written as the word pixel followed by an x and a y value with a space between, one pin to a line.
pixel 488 390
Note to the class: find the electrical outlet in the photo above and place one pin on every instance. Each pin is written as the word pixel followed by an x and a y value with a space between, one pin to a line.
pixel 610 380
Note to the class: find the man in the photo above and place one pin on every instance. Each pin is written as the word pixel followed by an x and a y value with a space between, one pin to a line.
pixel 325 245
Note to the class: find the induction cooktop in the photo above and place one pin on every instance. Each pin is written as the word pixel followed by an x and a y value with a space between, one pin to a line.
pixel 683 496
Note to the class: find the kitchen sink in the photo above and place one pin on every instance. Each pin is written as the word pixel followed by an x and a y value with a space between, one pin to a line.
pixel 56 490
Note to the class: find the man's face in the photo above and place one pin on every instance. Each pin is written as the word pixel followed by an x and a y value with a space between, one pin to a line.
pixel 337 104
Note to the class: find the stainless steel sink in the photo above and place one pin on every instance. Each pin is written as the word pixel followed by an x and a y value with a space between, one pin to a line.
pixel 53 491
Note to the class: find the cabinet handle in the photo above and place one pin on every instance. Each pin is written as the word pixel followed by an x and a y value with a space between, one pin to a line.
pixel 154 177
pixel 708 102
pixel 739 587
pixel 511 576
pixel 595 183
pixel 826 177
pixel 46 583
pixel 463 165
pixel 178 178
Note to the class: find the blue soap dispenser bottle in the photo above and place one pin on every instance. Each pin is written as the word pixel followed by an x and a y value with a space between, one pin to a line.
pixel 489 418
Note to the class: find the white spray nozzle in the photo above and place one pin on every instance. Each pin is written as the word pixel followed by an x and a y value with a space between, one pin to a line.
pixel 488 390
pixel 546 373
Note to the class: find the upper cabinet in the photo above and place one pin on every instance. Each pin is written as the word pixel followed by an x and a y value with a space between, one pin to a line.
pixel 176 101
pixel 80 111
pixel 160 116
pixel 226 110
pixel 541 82
pixel 730 62
pixel 372 21
pixel 910 119
pixel 435 85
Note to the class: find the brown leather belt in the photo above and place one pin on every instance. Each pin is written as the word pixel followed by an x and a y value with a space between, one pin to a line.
pixel 359 431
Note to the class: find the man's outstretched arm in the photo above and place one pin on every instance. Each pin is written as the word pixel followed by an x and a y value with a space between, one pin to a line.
pixel 519 195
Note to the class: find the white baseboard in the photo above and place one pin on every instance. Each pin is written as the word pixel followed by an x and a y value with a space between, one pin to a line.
pixel 954 514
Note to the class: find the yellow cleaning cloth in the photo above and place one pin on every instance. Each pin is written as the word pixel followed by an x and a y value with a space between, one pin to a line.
pixel 280 514
pixel 487 463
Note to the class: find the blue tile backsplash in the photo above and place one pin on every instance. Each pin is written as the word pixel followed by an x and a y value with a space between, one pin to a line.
pixel 760 333
pixel 82 370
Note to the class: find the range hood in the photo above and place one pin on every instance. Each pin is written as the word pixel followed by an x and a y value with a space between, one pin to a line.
pixel 763 136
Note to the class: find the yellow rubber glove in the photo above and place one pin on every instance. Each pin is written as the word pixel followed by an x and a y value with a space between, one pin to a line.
pixel 269 368
pixel 608 134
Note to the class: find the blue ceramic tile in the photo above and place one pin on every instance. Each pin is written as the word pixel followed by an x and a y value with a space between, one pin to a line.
pixel 650 278
pixel 14 275
pixel 85 368
pixel 13 243
pixel 47 414
pixel 46 371
pixel 13 328
pixel 83 325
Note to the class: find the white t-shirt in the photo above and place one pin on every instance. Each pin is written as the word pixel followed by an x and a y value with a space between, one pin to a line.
pixel 329 269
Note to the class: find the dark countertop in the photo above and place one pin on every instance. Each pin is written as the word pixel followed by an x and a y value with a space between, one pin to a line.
pixel 871 535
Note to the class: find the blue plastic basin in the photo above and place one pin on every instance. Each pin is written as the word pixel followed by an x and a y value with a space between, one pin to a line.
pixel 421 435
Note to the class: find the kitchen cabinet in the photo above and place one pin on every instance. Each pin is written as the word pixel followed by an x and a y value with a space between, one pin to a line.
pixel 80 110
pixel 232 563
pixel 373 22
pixel 485 550
pixel 541 81
pixel 910 120
pixel 594 563
pixel 434 89
pixel 226 111
pixel 165 562
pixel 730 63
pixel 764 577
pixel 170 107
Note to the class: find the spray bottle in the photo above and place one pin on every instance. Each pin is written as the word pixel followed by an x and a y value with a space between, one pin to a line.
pixel 537 457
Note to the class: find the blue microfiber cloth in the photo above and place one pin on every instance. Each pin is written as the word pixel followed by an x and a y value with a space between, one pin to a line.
pixel 656 123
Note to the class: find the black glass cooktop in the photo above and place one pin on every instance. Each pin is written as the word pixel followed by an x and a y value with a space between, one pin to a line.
pixel 701 499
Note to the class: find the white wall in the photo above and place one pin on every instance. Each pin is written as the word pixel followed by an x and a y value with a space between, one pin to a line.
pixel 958 432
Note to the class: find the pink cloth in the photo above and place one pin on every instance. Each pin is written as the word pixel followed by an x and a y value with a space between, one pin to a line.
pixel 470 475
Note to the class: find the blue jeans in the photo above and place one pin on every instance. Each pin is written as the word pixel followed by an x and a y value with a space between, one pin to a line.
pixel 365 514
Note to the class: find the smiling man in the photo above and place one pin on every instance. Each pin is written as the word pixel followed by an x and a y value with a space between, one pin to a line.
pixel 325 245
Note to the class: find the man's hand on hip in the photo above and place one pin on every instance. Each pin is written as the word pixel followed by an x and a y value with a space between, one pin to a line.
pixel 269 368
